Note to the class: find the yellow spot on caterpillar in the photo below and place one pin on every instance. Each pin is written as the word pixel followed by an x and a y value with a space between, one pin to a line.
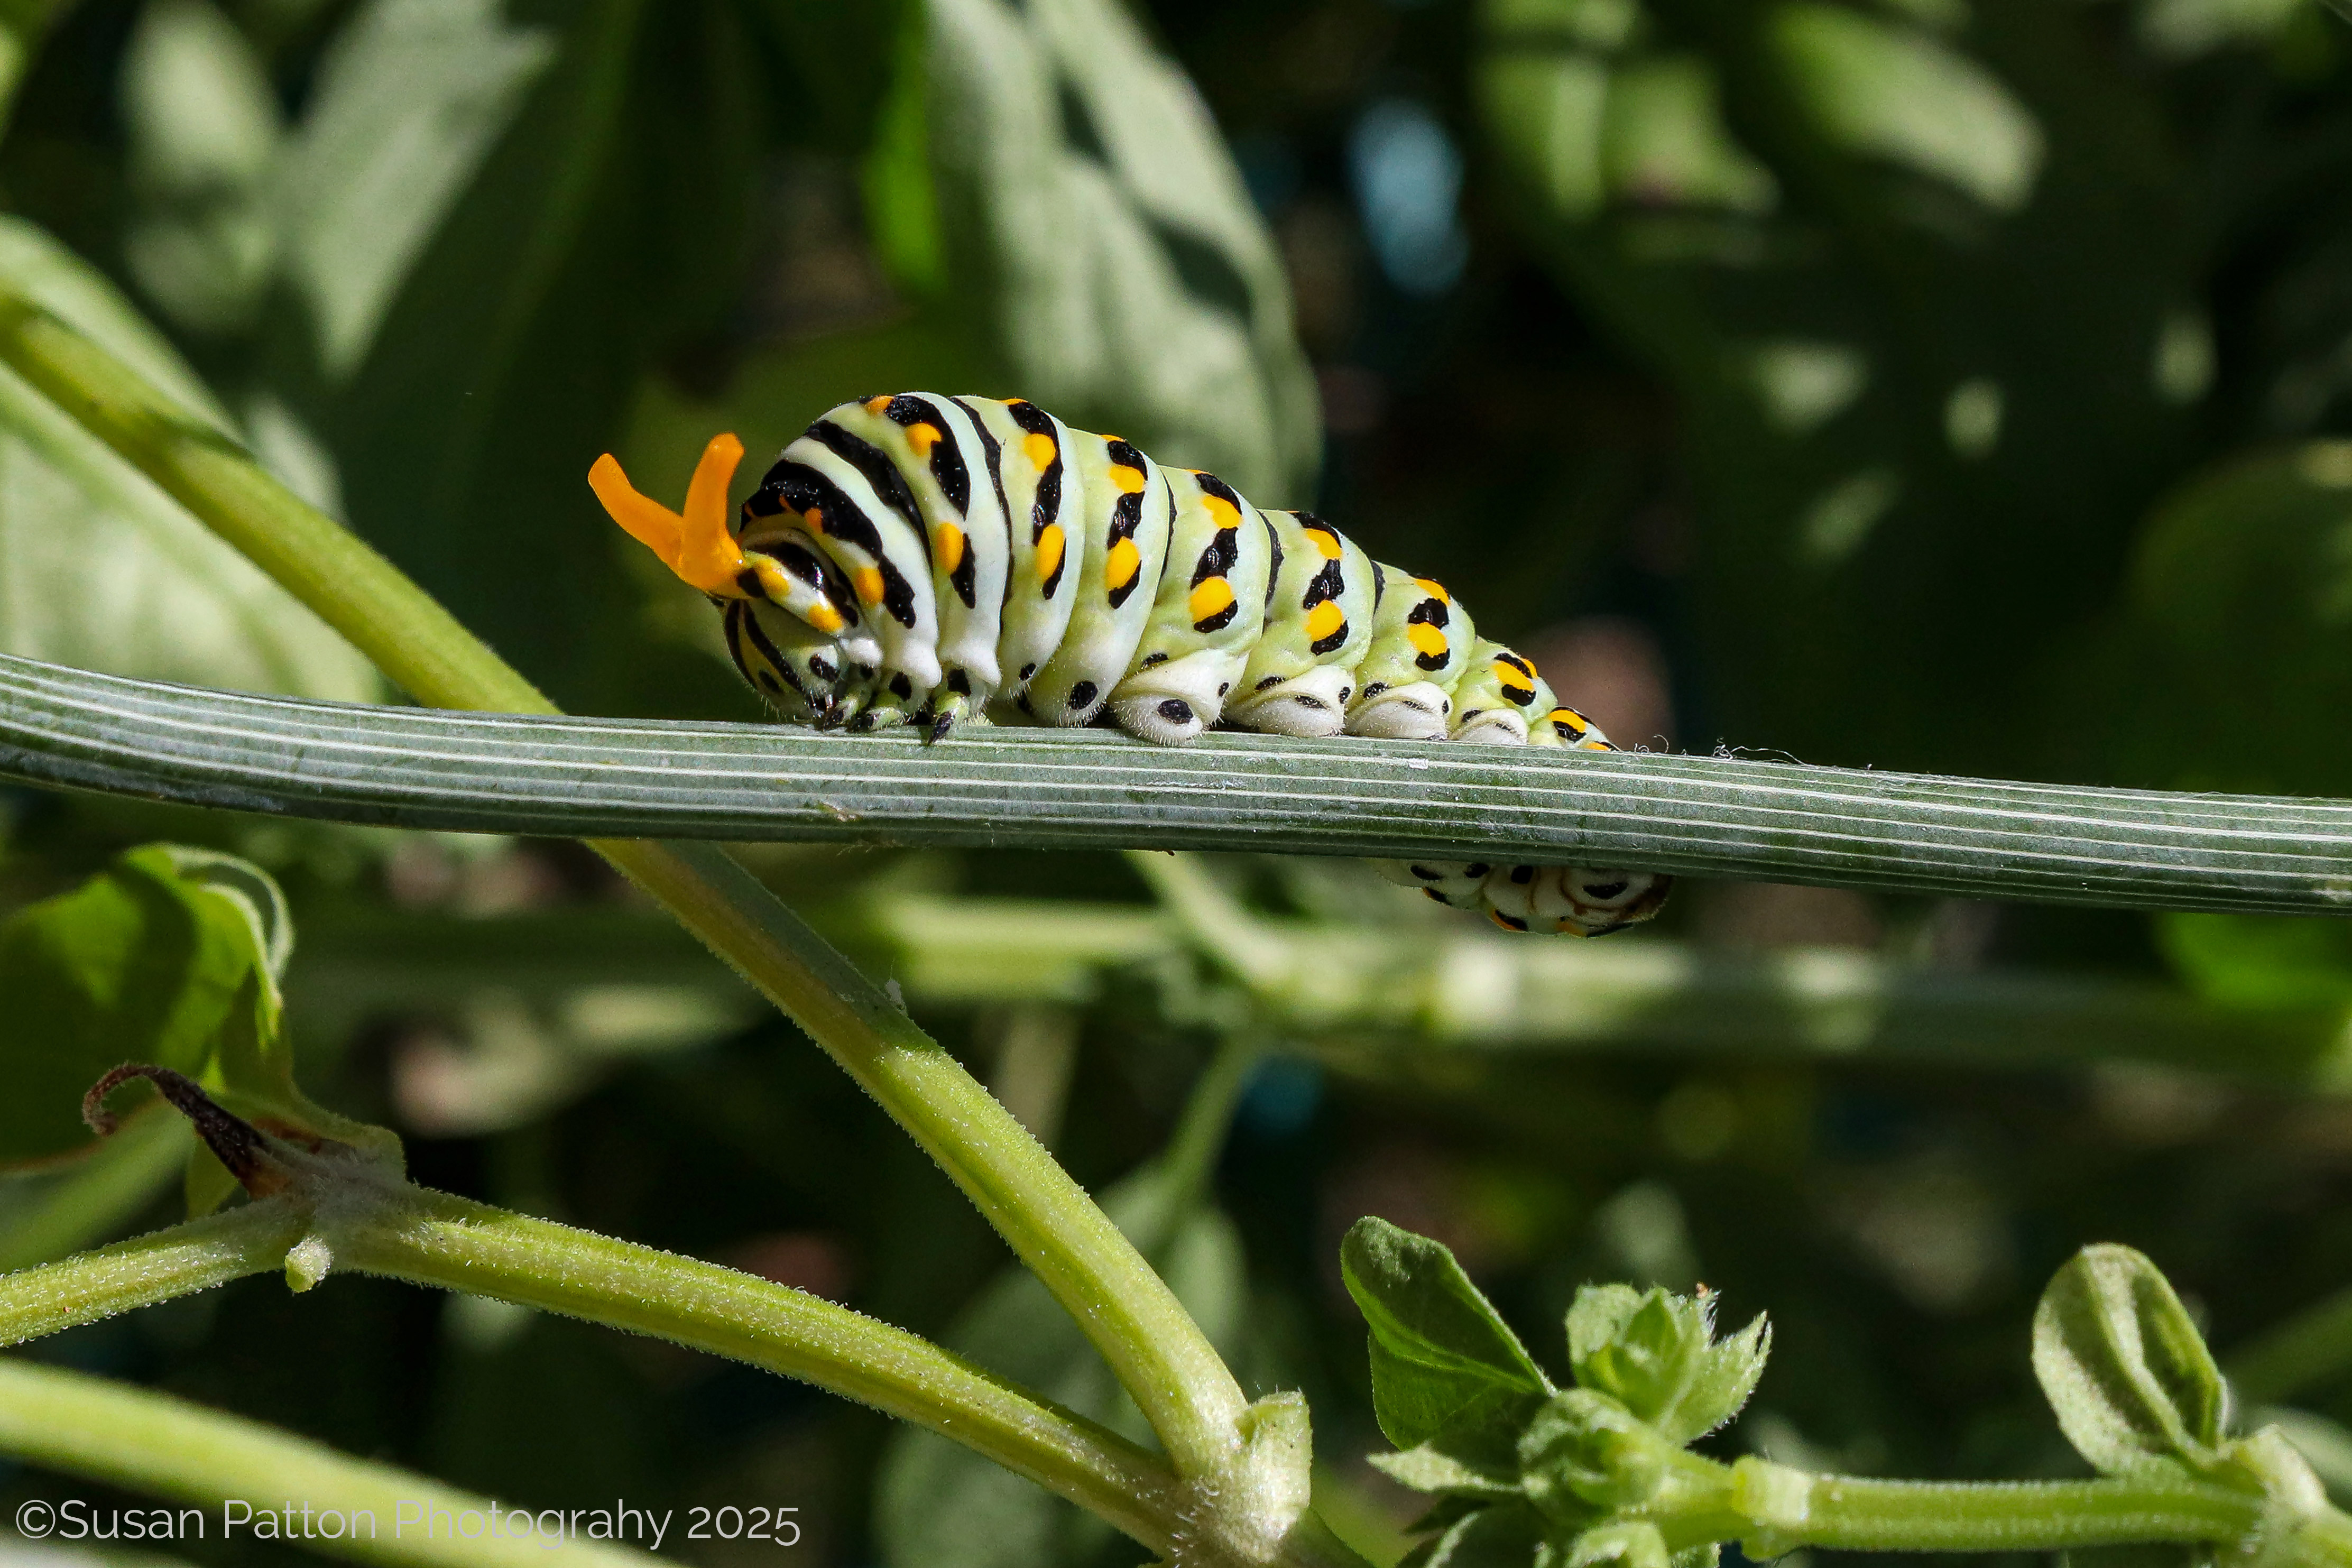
pixel 814 517
pixel 823 617
pixel 1214 596
pixel 1224 513
pixel 923 438
pixel 1433 591
pixel 1326 543
pixel 1041 449
pixel 877 406
pixel 1123 563
pixel 1130 481
pixel 1510 674
pixel 948 544
pixel 1426 640
pixel 1569 721
pixel 1049 553
pixel 1324 620
pixel 867 579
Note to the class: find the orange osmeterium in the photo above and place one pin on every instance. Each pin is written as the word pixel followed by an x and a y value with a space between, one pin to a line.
pixel 696 546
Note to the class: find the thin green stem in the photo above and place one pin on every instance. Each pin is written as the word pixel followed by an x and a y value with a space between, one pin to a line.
pixel 152 1442
pixel 1159 1353
pixel 1191 1157
pixel 1162 1357
pixel 431 1238
pixel 146 1269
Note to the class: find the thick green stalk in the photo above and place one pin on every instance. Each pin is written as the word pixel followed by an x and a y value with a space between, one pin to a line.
pixel 431 1238
pixel 146 1269
pixel 632 778
pixel 1160 1354
pixel 152 1442
pixel 1857 1514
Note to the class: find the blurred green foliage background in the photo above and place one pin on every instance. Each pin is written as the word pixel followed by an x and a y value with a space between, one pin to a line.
pixel 1958 385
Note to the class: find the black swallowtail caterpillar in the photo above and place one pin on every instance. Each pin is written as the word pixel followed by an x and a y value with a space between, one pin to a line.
pixel 936 561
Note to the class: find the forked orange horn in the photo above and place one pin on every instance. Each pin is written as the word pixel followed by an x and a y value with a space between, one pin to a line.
pixel 696 547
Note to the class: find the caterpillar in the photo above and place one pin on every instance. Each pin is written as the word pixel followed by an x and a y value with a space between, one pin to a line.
pixel 929 561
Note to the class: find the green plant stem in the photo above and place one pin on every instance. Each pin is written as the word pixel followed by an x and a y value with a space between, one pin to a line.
pixel 1162 1357
pixel 431 1238
pixel 490 772
pixel 146 1269
pixel 1775 1509
pixel 152 1442
pixel 1160 1354
pixel 1857 1514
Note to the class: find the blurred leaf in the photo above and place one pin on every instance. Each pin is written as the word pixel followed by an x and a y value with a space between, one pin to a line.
pixel 2253 961
pixel 2243 580
pixel 1100 237
pixel 1888 90
pixel 606 224
pixel 1925 391
pixel 940 1505
pixel 149 960
pixel 101 570
pixel 410 98
pixel 47 1216
pixel 202 121
pixel 2124 1369
pixel 1443 1362
pixel 171 956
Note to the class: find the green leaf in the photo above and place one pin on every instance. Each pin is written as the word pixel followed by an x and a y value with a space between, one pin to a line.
pixel 1508 1535
pixel 1434 1467
pixel 1654 1353
pixel 142 962
pixel 171 956
pixel 1444 1364
pixel 940 1505
pixel 1635 1545
pixel 2126 1372
pixel 1097 228
pixel 99 569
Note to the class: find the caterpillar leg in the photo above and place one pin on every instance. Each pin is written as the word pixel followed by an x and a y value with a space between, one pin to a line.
pixel 1416 710
pixel 1312 706
pixel 1451 882
pixel 1571 901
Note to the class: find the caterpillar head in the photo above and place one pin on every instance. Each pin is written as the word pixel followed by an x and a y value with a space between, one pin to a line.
pixel 790 627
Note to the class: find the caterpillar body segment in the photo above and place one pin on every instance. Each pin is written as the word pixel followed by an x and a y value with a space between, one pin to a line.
pixel 914 559
pixel 1301 675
